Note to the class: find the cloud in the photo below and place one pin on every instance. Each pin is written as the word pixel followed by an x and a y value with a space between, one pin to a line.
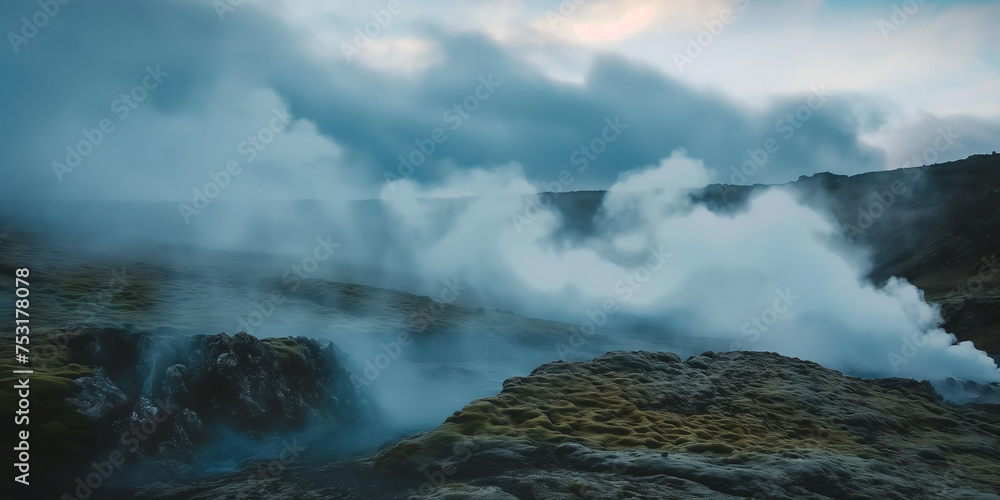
pixel 926 139
pixel 633 21
pixel 362 117
pixel 776 276
pixel 484 116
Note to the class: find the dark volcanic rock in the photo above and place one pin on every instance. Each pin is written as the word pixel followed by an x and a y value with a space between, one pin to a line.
pixel 97 398
pixel 647 425
pixel 240 382
pixel 260 385
pixel 139 394
pixel 968 391
pixel 731 425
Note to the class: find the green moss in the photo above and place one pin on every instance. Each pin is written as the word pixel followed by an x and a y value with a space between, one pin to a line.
pixel 763 412
pixel 53 424
pixel 399 453
pixel 566 409
pixel 292 353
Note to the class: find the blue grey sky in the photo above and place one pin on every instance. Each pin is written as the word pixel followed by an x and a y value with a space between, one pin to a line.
pixel 846 87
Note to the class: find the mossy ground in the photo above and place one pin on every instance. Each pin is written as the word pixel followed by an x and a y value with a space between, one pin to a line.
pixel 682 409
pixel 600 414
pixel 56 430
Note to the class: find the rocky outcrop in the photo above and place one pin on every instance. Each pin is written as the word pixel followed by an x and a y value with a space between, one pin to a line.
pixel 240 382
pixel 134 395
pixel 649 425
pixel 97 397
pixel 968 391
pixel 734 425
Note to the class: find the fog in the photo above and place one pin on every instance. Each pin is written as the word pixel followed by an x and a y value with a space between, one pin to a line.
pixel 776 276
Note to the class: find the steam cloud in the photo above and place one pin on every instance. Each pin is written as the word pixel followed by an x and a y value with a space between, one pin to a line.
pixel 775 276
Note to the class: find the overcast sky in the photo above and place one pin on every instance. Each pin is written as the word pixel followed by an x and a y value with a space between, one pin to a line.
pixel 867 85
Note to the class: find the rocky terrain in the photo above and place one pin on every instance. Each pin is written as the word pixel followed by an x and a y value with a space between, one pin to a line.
pixel 118 394
pixel 624 425
pixel 648 425
pixel 934 225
